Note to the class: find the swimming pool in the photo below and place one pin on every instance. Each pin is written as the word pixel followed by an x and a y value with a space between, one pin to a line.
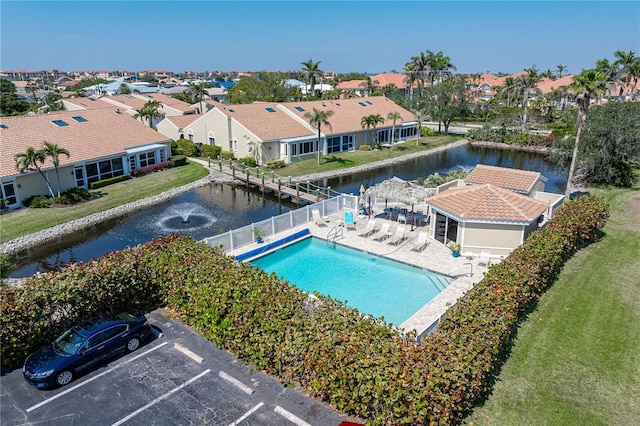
pixel 372 284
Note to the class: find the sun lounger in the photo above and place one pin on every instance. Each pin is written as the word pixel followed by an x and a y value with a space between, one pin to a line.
pixel 370 229
pixel 398 237
pixel 383 233
pixel 348 220
pixel 317 219
pixel 485 258
pixel 421 242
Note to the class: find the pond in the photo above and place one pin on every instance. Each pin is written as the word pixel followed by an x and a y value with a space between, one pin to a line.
pixel 217 208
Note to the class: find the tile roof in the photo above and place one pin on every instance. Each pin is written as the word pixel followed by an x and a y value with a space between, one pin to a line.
pixel 348 113
pixel 512 179
pixel 90 102
pixel 264 124
pixel 183 121
pixel 548 85
pixel 487 203
pixel 104 133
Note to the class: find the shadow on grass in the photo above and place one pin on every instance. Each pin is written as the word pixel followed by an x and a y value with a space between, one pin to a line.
pixel 334 159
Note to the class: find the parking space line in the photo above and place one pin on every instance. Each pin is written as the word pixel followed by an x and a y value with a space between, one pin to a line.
pixel 246 389
pixel 247 414
pixel 197 358
pixel 46 401
pixel 160 398
pixel 287 415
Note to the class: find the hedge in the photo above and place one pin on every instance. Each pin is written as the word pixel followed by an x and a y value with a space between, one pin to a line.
pixel 109 181
pixel 358 364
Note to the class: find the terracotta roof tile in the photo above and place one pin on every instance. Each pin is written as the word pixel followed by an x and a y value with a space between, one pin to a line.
pixel 512 179
pixel 487 203
pixel 183 121
pixel 104 133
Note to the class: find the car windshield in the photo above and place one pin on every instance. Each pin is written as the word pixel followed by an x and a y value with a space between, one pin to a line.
pixel 69 342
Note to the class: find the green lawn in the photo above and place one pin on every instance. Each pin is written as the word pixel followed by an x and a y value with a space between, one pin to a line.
pixel 576 360
pixel 357 158
pixel 27 221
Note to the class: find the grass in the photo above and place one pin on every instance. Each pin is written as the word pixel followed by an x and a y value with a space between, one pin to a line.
pixel 576 359
pixel 357 158
pixel 27 221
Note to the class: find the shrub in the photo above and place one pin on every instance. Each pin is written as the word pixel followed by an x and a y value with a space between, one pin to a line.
pixel 227 155
pixel 364 148
pixel 150 169
pixel 178 160
pixel 210 151
pixel 38 202
pixel 426 132
pixel 248 161
pixel 5 265
pixel 276 164
pixel 186 147
pixel 105 182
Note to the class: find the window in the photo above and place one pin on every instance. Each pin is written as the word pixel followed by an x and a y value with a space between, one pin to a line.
pixel 78 173
pixel 9 192
pixel 60 123
pixel 113 332
pixel 3 126
pixel 103 169
pixel 190 136
pixel 362 104
pixel 369 102
pixel 147 159
pixel 299 108
pixel 270 110
pixel 235 145
pixel 79 118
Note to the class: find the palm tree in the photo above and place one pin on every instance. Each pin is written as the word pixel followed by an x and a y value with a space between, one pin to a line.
pixel 54 151
pixel 561 68
pixel 149 111
pixel 421 65
pixel 32 87
pixel 371 121
pixel 370 85
pixel 440 66
pixel 411 75
pixel 628 63
pixel 589 84
pixel 197 92
pixel 394 116
pixel 317 119
pixel 419 114
pixel 613 76
pixel 31 160
pixel 312 72
pixel 527 83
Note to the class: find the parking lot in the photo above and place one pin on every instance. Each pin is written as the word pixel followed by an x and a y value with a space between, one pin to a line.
pixel 176 378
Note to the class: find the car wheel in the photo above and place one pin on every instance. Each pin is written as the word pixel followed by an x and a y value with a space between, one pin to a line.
pixel 64 377
pixel 133 344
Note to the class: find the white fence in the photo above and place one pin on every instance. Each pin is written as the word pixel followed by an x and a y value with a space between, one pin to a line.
pixel 243 236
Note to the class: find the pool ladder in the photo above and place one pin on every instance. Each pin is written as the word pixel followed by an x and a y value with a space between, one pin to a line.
pixel 335 232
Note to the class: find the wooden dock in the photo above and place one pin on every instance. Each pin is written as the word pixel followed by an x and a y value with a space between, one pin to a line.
pixel 298 193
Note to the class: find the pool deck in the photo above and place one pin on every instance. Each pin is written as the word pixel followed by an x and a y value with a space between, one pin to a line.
pixel 464 270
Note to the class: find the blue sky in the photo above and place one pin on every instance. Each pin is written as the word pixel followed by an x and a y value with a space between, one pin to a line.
pixel 363 36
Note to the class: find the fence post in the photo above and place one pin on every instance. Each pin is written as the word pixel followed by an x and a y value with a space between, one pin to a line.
pixel 233 171
pixel 273 175
pixel 289 180
pixel 263 184
pixel 308 187
pixel 220 164
pixel 279 190
pixel 247 171
pixel 328 192
pixel 209 161
pixel 298 194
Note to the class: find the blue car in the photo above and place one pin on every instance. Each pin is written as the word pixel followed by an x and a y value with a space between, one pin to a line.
pixel 84 346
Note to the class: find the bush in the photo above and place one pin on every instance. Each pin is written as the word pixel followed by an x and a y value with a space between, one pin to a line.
pixel 5 265
pixel 178 160
pixel 227 155
pixel 364 148
pixel 38 202
pixel 210 151
pixel 186 147
pixel 150 169
pixel 248 161
pixel 105 182
pixel 426 132
pixel 276 164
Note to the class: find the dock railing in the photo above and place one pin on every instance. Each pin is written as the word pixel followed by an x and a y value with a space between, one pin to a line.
pixel 240 237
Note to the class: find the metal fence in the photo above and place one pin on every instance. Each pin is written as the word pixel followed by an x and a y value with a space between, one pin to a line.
pixel 240 237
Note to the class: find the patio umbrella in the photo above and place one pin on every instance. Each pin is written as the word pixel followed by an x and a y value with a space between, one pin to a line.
pixel 363 198
pixel 396 189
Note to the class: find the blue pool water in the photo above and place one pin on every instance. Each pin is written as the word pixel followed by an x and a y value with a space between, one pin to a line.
pixel 372 284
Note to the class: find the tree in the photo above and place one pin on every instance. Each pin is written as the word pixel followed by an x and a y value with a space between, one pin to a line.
pixel 371 121
pixel 312 72
pixel 440 66
pixel 528 83
pixel 447 101
pixel 629 67
pixel 419 114
pixel 32 87
pixel 197 92
pixel 9 102
pixel 610 143
pixel 54 151
pixel 265 87
pixel 149 112
pixel 589 84
pixel 124 89
pixel 411 76
pixel 561 68
pixel 394 116
pixel 31 160
pixel 317 119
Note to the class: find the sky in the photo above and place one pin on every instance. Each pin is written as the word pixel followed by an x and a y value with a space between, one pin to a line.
pixel 344 36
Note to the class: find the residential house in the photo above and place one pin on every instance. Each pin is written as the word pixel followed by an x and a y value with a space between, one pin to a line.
pixel 102 143
pixel 269 131
pixel 494 209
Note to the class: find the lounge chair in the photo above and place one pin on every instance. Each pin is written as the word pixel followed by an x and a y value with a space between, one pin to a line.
pixel 370 229
pixel 348 220
pixel 317 219
pixel 485 258
pixel 421 242
pixel 383 233
pixel 398 237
